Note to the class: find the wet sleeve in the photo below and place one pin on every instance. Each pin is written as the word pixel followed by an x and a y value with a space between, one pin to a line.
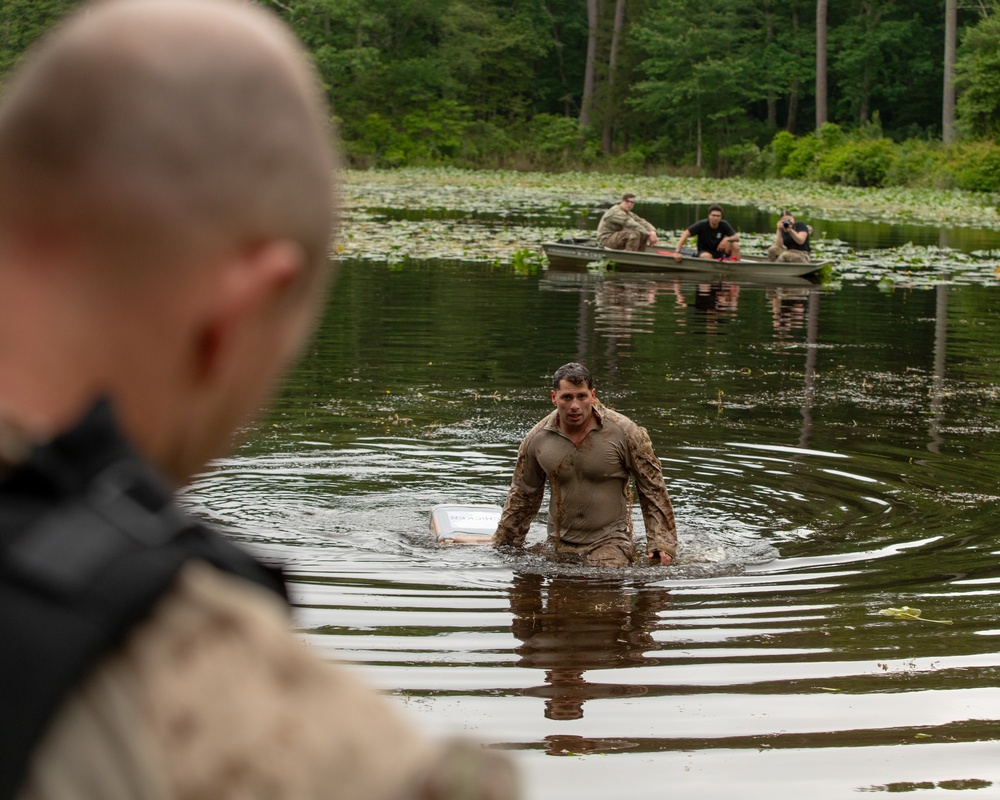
pixel 524 499
pixel 654 501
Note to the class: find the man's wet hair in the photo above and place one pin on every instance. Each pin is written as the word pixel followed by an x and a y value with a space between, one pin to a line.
pixel 628 196
pixel 573 372
pixel 714 207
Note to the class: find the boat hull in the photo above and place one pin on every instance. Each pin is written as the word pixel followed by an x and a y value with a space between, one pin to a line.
pixel 576 256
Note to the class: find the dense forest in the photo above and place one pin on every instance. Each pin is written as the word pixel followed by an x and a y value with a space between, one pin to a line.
pixel 699 87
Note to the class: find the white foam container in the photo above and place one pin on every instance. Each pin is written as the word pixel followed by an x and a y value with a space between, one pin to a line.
pixel 464 524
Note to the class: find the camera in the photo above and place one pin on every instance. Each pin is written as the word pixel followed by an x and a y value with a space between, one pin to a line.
pixel 786 224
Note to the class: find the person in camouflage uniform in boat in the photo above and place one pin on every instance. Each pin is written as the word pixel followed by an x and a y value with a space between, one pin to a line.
pixel 622 229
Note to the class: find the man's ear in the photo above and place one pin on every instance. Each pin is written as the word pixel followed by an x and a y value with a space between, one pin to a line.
pixel 252 283
pixel 553 396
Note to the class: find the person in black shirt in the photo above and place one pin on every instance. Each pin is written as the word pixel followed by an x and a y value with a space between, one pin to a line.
pixel 716 237
pixel 791 241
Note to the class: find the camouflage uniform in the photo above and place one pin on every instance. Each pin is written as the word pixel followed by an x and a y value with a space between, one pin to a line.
pixel 623 230
pixel 213 697
pixel 589 513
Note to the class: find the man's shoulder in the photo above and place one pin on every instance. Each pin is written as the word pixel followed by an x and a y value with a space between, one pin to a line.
pixel 615 419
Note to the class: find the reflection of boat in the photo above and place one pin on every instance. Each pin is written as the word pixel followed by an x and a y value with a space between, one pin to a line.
pixel 565 255
pixel 561 280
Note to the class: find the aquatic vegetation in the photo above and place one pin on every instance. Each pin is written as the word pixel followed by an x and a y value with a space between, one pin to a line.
pixel 910 613
pixel 501 218
pixel 509 192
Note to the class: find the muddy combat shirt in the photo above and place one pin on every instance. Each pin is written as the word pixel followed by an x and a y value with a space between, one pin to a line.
pixel 90 539
pixel 587 502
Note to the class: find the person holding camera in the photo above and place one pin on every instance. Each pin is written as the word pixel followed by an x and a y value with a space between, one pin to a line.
pixel 791 241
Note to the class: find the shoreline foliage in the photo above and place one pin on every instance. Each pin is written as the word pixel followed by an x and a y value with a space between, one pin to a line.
pixel 713 88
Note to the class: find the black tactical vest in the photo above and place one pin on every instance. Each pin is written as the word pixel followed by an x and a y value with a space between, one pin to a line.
pixel 90 539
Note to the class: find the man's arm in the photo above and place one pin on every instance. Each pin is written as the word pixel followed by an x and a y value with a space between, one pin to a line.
pixel 779 240
pixel 680 243
pixel 729 232
pixel 611 221
pixel 636 223
pixel 649 229
pixel 654 501
pixel 523 501
pixel 799 235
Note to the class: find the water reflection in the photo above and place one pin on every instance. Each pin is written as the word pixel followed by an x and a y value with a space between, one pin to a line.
pixel 856 434
pixel 571 625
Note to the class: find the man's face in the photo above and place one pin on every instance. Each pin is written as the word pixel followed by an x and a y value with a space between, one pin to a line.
pixel 574 403
pixel 714 218
pixel 629 204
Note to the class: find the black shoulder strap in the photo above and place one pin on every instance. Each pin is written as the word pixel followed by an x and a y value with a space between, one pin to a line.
pixel 82 560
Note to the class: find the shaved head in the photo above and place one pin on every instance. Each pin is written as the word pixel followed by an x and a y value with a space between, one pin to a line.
pixel 166 202
pixel 158 130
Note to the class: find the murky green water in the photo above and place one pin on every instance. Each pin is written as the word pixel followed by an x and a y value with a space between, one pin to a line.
pixel 853 428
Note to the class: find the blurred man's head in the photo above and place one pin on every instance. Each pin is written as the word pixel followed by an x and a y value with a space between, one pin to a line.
pixel 166 202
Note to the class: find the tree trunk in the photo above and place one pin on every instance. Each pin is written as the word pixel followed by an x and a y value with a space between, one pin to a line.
pixel 589 79
pixel 821 112
pixel 865 106
pixel 793 105
pixel 948 107
pixel 872 16
pixel 698 159
pixel 772 96
pixel 612 104
pixel 793 91
pixel 567 97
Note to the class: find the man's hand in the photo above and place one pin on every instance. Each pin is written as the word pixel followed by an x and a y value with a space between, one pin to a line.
pixel 653 238
pixel 660 558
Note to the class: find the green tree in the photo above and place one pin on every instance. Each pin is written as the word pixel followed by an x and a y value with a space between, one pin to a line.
pixel 978 78
pixel 403 66
pixel 23 21
pixel 703 71
pixel 887 56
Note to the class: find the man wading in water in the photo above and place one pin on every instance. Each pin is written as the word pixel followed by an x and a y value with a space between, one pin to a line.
pixel 587 453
